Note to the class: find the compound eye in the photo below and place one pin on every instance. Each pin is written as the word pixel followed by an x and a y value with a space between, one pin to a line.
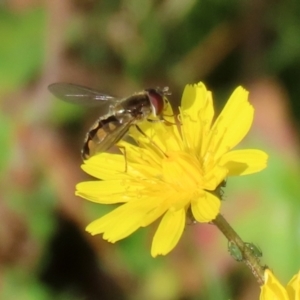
pixel 157 101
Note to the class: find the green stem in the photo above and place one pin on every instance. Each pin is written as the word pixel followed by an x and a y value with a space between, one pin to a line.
pixel 249 258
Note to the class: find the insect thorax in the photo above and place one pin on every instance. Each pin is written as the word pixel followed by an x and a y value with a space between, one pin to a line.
pixel 137 107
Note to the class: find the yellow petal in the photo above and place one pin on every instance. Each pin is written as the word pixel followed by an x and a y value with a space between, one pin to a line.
pixel 244 162
pixel 214 176
pixel 232 124
pixel 105 166
pixel 156 213
pixel 206 208
pixel 293 287
pixel 121 222
pixel 168 233
pixel 272 289
pixel 196 114
pixel 109 191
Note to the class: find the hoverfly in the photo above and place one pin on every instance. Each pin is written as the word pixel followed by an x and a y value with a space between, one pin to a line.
pixel 117 115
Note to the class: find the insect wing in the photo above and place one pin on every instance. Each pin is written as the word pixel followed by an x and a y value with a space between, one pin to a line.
pixel 78 94
pixel 104 134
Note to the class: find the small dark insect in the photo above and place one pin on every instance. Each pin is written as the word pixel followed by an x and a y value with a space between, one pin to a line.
pixel 116 115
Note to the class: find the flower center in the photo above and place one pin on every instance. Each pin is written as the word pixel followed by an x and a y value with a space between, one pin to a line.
pixel 183 172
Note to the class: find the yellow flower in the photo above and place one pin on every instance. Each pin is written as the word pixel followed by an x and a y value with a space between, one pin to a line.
pixel 273 290
pixel 173 169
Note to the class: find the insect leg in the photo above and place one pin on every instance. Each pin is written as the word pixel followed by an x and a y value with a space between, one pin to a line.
pixel 161 120
pixel 125 156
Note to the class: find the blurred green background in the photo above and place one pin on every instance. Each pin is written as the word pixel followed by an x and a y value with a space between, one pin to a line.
pixel 119 47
